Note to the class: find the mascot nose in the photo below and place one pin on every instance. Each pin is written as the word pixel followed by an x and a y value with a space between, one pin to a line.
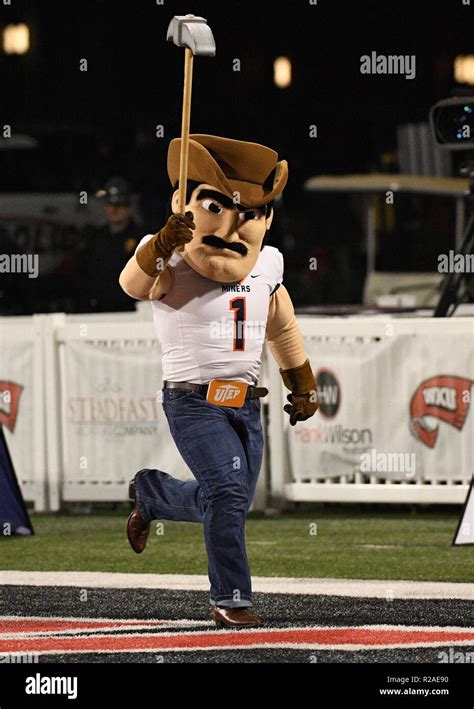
pixel 228 225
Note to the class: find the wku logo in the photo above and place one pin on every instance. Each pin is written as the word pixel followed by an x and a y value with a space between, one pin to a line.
pixel 445 397
pixel 9 401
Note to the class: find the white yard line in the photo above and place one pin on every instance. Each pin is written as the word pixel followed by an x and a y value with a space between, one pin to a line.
pixel 389 590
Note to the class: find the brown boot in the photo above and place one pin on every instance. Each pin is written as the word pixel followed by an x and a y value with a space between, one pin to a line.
pixel 138 529
pixel 235 618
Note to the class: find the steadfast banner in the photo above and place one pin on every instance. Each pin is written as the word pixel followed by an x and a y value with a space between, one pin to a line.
pixel 114 423
pixel 398 409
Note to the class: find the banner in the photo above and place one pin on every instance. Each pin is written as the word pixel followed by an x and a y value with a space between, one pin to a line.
pixel 398 408
pixel 13 515
pixel 112 413
pixel 17 404
pixel 465 531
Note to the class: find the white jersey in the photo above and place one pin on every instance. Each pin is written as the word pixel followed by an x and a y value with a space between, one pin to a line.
pixel 209 330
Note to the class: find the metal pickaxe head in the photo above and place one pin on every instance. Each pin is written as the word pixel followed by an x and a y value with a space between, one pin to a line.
pixel 192 32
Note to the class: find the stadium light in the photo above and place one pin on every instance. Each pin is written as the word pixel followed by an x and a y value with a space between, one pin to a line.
pixel 282 72
pixel 16 39
pixel 464 69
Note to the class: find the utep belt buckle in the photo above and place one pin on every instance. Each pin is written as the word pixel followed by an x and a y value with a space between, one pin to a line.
pixel 226 393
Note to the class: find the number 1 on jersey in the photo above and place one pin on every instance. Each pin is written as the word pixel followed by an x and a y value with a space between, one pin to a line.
pixel 238 306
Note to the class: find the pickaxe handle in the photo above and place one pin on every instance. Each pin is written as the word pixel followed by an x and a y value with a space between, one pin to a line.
pixel 194 34
pixel 185 123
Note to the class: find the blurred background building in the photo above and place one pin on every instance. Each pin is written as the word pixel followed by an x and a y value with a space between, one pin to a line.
pixel 92 90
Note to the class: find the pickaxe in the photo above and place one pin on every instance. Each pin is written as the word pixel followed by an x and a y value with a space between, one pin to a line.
pixel 194 34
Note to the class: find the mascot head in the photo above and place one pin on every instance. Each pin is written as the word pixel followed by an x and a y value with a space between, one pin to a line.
pixel 234 184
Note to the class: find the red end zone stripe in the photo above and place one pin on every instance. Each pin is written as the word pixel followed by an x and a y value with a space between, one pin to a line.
pixel 24 625
pixel 189 640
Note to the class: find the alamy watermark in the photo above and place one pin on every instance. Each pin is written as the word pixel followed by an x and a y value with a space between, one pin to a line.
pixel 44 684
pixel 452 656
pixel 455 263
pixel 20 263
pixel 401 64
pixel 373 462
pixel 19 658
pixel 250 329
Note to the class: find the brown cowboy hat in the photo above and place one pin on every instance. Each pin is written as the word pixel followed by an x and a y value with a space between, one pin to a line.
pixel 250 169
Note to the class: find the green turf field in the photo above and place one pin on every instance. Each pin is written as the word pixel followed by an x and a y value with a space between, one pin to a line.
pixel 320 543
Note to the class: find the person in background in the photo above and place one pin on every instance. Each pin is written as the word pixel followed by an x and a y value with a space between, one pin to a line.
pixel 108 248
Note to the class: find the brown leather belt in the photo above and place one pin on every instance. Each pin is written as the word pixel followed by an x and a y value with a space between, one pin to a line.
pixel 252 392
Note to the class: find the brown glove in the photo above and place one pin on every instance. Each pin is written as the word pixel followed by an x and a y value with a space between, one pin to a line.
pixel 302 384
pixel 151 256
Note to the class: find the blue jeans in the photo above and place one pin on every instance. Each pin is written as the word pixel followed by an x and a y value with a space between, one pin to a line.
pixel 223 448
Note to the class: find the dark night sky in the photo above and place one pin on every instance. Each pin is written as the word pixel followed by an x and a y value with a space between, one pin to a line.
pixel 95 124
pixel 135 77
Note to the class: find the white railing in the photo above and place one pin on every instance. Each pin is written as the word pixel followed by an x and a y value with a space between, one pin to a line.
pixel 42 458
pixel 22 362
pixel 287 485
pixel 66 482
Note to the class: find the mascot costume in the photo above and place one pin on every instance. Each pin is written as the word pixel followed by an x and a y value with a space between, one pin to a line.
pixel 217 295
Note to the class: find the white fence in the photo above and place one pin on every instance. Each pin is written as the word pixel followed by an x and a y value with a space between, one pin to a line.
pixel 90 413
pixel 22 342
pixel 446 470
pixel 95 459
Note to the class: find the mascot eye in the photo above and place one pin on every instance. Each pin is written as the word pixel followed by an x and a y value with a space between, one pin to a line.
pixel 250 214
pixel 211 206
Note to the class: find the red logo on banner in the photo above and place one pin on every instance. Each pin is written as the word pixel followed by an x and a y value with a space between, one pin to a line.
pixel 9 401
pixel 445 397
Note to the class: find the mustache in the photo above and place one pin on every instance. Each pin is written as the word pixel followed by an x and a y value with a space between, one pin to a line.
pixel 213 240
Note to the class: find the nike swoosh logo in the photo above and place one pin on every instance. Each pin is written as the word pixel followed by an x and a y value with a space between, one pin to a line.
pixel 258 274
